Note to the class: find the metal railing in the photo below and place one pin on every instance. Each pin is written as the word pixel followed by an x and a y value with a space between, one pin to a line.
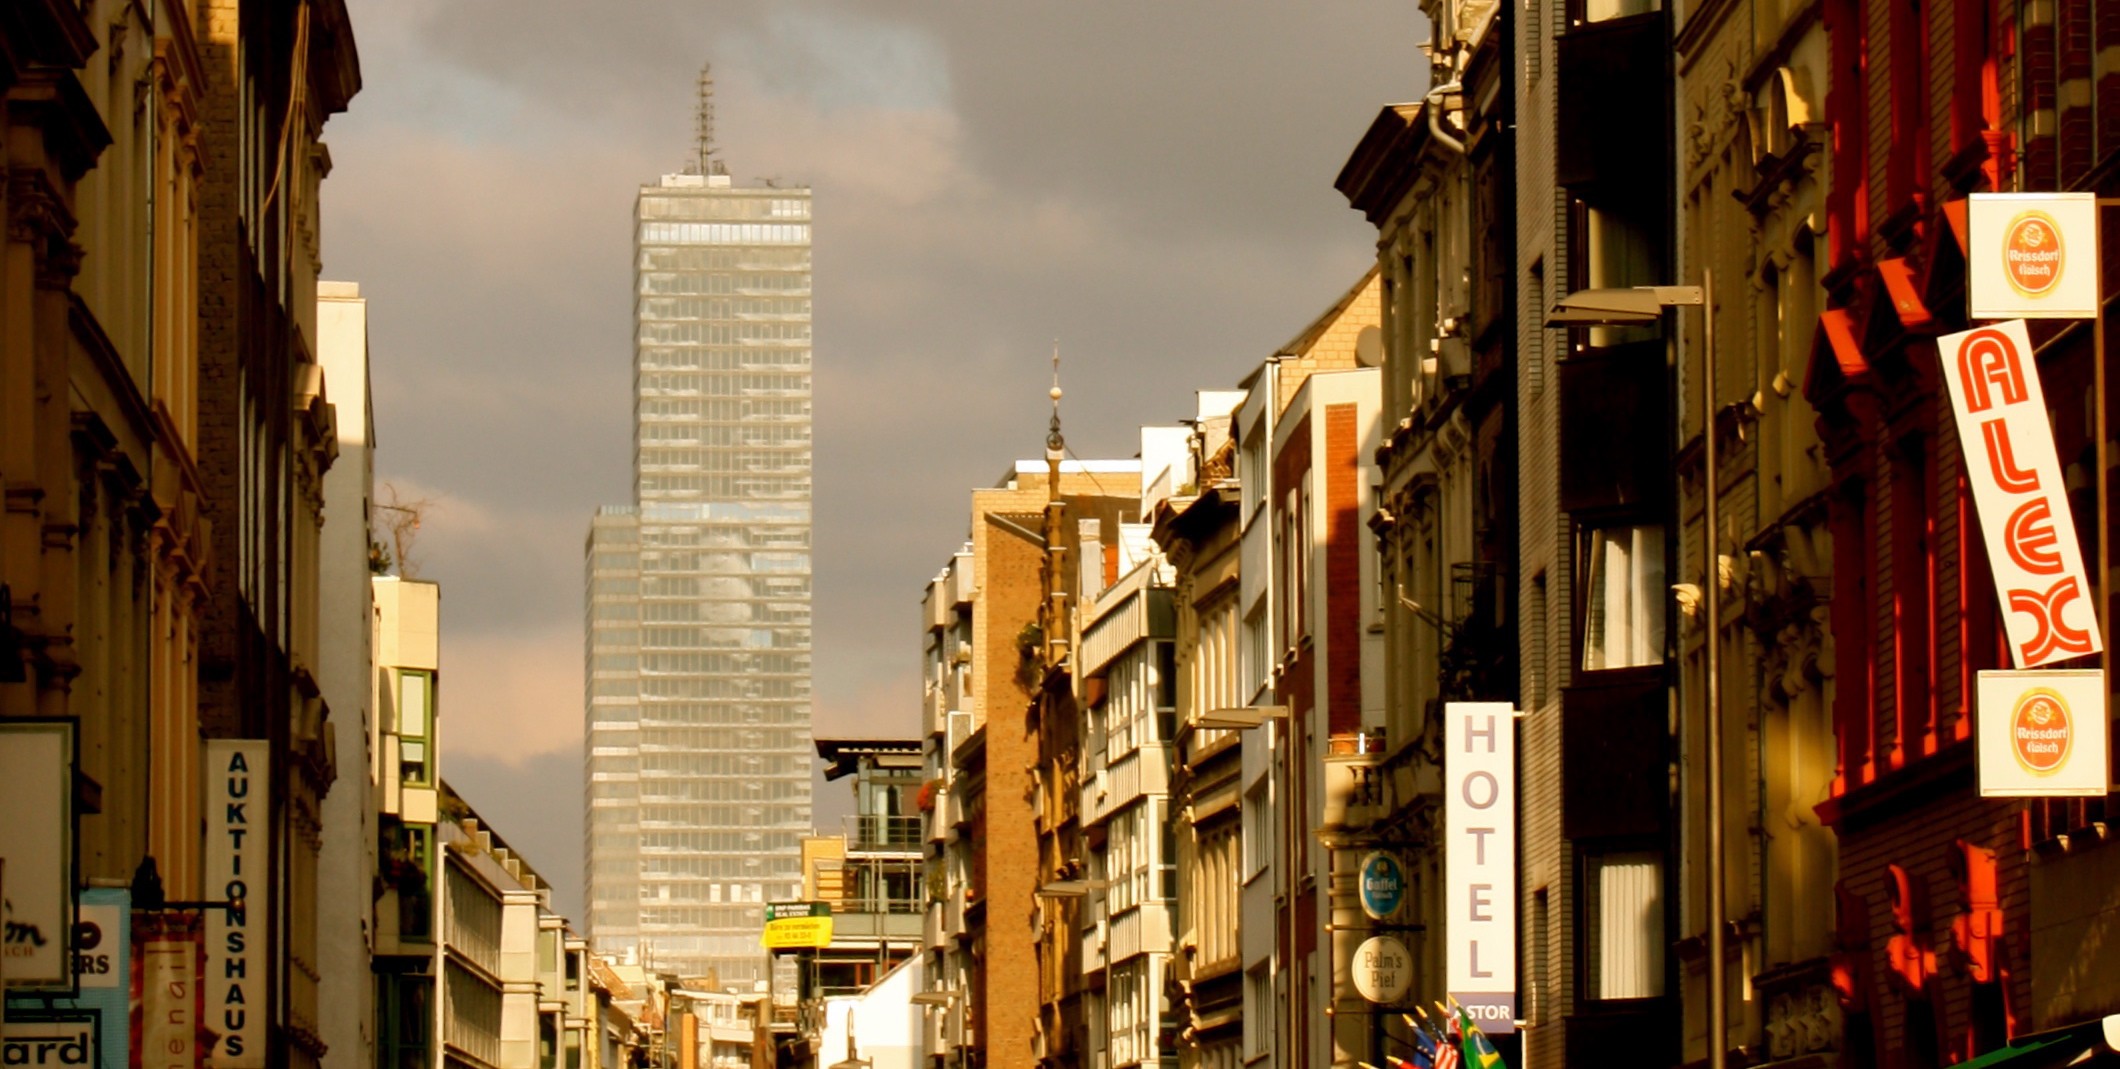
pixel 868 834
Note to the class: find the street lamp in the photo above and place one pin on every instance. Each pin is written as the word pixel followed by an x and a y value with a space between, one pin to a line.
pixel 1640 306
pixel 1240 718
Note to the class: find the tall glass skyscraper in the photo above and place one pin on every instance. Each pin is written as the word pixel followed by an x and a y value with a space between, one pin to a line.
pixel 698 719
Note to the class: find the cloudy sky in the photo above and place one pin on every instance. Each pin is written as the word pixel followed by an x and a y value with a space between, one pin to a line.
pixel 1147 181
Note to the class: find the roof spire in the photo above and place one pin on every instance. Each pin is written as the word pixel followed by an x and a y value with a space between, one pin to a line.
pixel 703 125
pixel 1055 444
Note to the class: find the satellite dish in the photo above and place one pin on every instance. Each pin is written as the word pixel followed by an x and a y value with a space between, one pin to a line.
pixel 1369 347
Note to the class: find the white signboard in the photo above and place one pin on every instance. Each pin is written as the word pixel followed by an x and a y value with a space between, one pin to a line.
pixel 2032 255
pixel 50 1044
pixel 1383 969
pixel 238 785
pixel 2043 734
pixel 36 839
pixel 1479 881
pixel 100 959
pixel 2016 479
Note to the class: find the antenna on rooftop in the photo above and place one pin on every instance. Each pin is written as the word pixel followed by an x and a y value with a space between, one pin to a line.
pixel 703 125
pixel 1055 445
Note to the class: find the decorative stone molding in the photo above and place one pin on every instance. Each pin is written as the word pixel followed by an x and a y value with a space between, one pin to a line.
pixel 38 216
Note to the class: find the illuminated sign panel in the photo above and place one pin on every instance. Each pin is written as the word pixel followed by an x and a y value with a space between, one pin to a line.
pixel 2040 580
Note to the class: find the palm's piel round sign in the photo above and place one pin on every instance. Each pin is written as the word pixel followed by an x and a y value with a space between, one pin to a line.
pixel 2041 731
pixel 2031 253
pixel 1383 969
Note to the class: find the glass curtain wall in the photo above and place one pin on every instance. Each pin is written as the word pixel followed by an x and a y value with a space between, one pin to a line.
pixel 714 739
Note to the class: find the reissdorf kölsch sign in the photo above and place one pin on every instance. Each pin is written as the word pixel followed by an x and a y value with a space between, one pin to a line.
pixel 2043 734
pixel 2032 255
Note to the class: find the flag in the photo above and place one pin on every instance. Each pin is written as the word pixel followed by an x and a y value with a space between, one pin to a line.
pixel 1479 1050
pixel 1424 1048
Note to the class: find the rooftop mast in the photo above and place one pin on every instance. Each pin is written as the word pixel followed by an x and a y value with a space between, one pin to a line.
pixel 703 125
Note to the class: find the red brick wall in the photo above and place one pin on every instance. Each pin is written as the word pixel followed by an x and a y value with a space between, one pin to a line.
pixel 1343 571
pixel 1919 835
pixel 1008 974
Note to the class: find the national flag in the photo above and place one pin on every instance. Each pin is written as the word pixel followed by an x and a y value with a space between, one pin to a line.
pixel 1479 1050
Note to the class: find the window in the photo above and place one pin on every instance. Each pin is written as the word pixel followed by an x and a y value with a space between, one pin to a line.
pixel 1258 829
pixel 1535 652
pixel 1257 651
pixel 1253 473
pixel 1166 669
pixel 1258 1011
pixel 404 1008
pixel 1541 956
pixel 1623 603
pixel 1623 925
pixel 412 703
pixel 1166 853
pixel 1295 555
pixel 415 716
pixel 407 852
pixel 1605 10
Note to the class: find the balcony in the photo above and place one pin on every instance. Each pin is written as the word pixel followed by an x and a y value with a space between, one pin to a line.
pixel 1603 145
pixel 896 920
pixel 1615 429
pixel 1134 775
pixel 1354 779
pixel 1615 737
pixel 874 834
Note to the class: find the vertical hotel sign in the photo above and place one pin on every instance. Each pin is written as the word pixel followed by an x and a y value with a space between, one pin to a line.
pixel 1479 874
pixel 2016 479
pixel 238 788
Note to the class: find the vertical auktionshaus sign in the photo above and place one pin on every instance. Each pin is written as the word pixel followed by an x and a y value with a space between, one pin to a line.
pixel 699 615
pixel 237 815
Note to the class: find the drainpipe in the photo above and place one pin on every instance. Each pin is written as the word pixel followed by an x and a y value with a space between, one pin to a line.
pixel 1435 120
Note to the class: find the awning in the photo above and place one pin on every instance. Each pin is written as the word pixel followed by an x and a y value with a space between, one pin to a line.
pixel 2094 1044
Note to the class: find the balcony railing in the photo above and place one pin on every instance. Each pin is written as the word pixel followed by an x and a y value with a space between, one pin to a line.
pixel 884 834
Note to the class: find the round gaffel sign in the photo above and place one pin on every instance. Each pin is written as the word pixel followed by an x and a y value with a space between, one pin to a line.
pixel 1383 885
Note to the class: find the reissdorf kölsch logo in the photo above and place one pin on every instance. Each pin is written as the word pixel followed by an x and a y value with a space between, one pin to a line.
pixel 2031 254
pixel 2041 732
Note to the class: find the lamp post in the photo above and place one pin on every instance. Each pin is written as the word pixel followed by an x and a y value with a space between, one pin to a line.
pixel 1640 306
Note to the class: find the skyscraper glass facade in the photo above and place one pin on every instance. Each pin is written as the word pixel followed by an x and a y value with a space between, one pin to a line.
pixel 699 595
